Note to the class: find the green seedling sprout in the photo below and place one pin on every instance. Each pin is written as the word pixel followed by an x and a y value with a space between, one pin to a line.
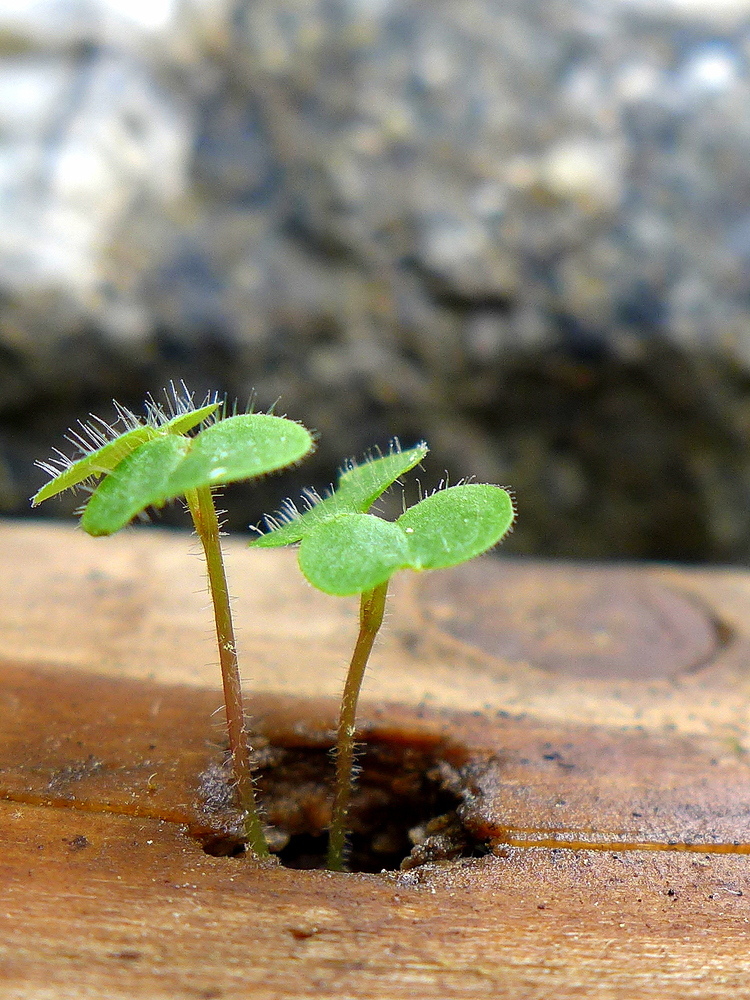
pixel 345 551
pixel 152 461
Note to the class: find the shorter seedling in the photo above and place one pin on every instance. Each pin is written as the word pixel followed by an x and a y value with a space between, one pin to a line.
pixel 151 461
pixel 345 551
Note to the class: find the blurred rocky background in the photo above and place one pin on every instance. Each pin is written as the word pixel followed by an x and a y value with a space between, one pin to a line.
pixel 517 228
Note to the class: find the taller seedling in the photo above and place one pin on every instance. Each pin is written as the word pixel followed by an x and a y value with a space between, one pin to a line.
pixel 154 460
pixel 344 551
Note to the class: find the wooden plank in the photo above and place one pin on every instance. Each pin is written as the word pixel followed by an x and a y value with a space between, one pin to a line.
pixel 594 722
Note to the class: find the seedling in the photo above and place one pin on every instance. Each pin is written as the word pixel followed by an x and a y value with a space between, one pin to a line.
pixel 151 461
pixel 345 551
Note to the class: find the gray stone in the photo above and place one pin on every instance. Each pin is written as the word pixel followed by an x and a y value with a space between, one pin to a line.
pixel 520 229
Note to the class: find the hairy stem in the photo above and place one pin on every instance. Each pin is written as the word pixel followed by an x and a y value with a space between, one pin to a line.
pixel 371 608
pixel 203 511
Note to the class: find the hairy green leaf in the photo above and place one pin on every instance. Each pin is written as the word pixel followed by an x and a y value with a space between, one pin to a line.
pixel 363 484
pixel 139 481
pixel 352 553
pixel 97 463
pixel 149 465
pixel 104 459
pixel 241 447
pixel 358 488
pixel 454 525
pixel 184 422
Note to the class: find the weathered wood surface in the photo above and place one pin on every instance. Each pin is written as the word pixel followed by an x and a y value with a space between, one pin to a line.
pixel 605 713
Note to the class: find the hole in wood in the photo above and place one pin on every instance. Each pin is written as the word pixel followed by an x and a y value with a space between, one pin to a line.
pixel 129 747
pixel 406 808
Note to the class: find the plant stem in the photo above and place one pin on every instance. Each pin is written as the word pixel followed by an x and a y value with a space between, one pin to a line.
pixel 371 608
pixel 203 511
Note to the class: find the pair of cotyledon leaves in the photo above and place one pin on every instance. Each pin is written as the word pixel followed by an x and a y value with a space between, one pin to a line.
pixel 344 550
pixel 153 463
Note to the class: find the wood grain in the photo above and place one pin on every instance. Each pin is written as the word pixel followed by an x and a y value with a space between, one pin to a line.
pixel 598 717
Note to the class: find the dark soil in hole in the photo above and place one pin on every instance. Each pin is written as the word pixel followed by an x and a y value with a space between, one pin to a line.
pixel 405 811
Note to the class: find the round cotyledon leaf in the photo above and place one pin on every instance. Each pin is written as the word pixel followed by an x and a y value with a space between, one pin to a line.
pixel 352 553
pixel 171 465
pixel 454 525
pixel 240 447
pixel 358 488
pixel 139 481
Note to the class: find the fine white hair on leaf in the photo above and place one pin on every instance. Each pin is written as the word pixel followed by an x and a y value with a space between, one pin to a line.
pixel 270 523
pixel 155 415
pixel 289 510
pixel 60 462
pixel 310 497
pixel 96 432
pixel 127 418
pixel 371 455
pixel 79 510
pixel 251 403
pixel 51 469
pixel 223 410
pixel 178 401
pixel 88 438
pixel 286 514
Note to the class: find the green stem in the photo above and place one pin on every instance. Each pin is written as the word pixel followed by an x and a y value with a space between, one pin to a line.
pixel 203 511
pixel 371 608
